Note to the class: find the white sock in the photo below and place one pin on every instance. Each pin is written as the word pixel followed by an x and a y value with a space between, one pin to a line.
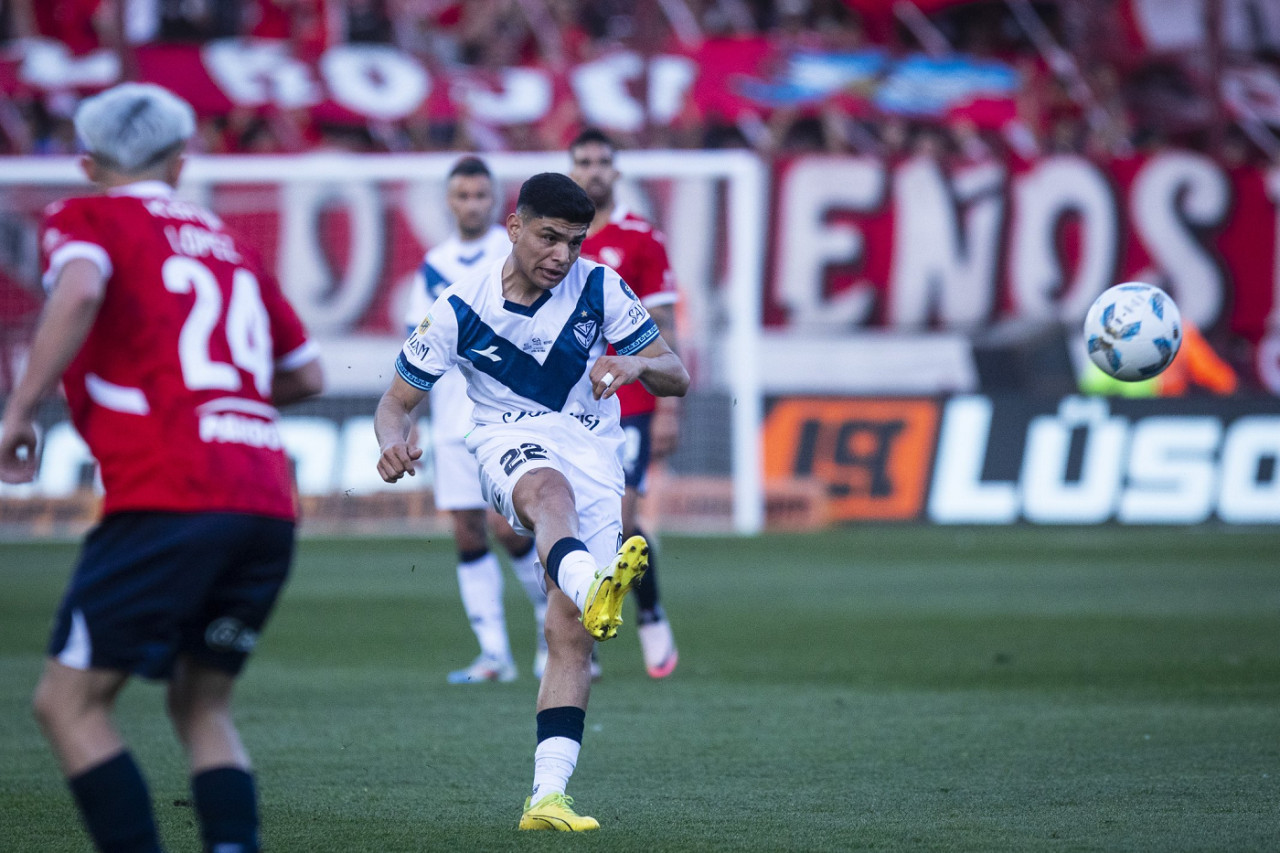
pixel 529 571
pixel 530 574
pixel 577 573
pixel 480 582
pixel 553 763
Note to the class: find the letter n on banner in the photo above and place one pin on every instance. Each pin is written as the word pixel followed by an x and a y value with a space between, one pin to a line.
pixel 873 456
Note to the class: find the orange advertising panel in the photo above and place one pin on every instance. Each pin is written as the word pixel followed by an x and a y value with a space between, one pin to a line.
pixel 873 456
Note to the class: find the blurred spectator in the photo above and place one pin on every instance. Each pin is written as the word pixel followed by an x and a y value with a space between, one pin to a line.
pixel 1083 88
pixel 366 21
pixel 197 20
pixel 82 25
pixel 305 24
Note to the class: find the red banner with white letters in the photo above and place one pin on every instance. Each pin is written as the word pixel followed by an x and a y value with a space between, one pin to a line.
pixel 913 245
pixel 620 90
pixel 854 243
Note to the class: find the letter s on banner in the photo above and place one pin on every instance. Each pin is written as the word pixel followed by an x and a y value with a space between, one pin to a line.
pixel 1171 470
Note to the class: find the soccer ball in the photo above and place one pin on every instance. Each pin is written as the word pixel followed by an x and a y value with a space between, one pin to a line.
pixel 1133 331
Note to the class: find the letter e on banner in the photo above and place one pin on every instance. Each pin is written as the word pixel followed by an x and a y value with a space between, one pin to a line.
pixel 872 456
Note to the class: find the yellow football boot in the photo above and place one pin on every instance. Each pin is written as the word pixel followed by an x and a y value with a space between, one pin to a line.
pixel 603 613
pixel 555 811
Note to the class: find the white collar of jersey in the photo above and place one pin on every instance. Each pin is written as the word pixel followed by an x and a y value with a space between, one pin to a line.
pixel 143 189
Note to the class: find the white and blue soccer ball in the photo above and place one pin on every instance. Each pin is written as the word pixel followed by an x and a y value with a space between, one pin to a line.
pixel 1133 331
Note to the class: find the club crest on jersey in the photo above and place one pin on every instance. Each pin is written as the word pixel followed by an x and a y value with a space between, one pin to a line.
pixel 585 329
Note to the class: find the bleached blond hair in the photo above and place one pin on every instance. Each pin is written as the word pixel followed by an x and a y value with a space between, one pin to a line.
pixel 134 126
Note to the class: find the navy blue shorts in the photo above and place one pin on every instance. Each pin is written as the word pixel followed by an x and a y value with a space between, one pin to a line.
pixel 151 586
pixel 635 452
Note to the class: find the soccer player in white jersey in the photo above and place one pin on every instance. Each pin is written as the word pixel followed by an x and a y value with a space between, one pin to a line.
pixel 530 334
pixel 476 245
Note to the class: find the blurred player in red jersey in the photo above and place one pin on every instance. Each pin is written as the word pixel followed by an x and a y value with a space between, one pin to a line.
pixel 633 247
pixel 174 347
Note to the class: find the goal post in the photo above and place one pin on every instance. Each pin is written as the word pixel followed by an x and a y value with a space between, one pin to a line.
pixel 344 233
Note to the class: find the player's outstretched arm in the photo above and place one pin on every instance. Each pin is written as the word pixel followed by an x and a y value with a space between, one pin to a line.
pixel 65 323
pixel 656 367
pixel 391 423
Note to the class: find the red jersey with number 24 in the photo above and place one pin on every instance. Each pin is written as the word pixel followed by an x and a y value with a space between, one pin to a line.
pixel 172 388
pixel 635 249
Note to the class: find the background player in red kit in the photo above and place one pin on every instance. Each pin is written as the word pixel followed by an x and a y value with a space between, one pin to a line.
pixel 626 242
pixel 174 347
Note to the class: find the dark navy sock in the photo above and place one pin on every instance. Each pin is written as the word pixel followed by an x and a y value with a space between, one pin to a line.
pixel 648 608
pixel 471 556
pixel 116 806
pixel 565 721
pixel 227 806
pixel 558 552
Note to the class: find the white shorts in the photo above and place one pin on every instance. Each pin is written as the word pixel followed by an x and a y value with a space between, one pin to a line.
pixel 457 477
pixel 590 461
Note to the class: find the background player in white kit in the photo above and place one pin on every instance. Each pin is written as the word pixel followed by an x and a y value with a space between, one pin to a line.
pixel 530 335
pixel 476 245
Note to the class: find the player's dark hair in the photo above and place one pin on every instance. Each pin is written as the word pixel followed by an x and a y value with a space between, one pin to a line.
pixel 590 135
pixel 469 167
pixel 554 196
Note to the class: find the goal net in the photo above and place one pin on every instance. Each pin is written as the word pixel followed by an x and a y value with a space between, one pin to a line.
pixel 345 233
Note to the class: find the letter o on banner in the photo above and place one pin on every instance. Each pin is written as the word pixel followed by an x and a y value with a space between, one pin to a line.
pixel 375 80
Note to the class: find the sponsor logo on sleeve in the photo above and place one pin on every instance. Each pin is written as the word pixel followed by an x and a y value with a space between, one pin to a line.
pixel 416 347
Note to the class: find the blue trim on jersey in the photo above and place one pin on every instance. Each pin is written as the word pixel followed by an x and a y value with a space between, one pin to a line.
pixel 548 383
pixel 638 340
pixel 415 376
pixel 436 283
pixel 527 310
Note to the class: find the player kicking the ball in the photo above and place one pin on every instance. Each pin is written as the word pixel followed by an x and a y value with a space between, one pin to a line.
pixel 529 335
pixel 476 244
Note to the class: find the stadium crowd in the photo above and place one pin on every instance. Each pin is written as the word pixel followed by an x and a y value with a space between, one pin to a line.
pixel 1081 86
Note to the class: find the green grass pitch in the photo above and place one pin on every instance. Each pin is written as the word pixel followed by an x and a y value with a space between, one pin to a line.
pixel 876 688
